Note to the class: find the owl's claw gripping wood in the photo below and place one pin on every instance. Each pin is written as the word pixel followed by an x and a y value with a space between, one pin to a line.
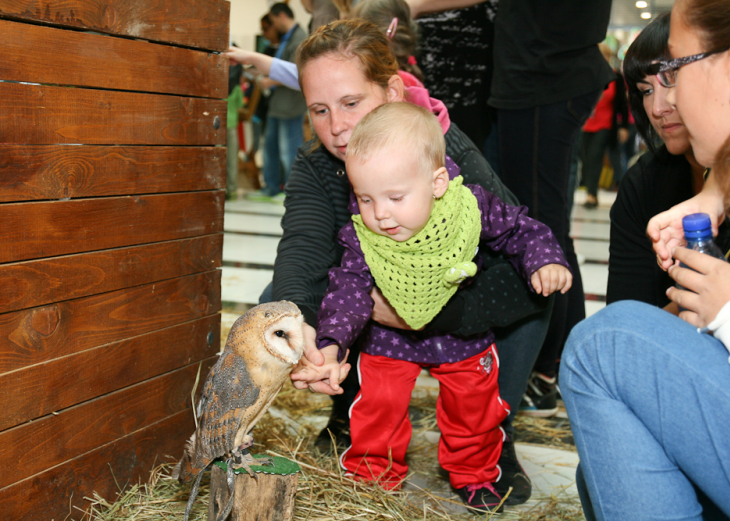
pixel 242 459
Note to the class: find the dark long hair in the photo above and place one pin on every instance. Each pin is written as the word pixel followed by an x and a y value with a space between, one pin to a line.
pixel 640 61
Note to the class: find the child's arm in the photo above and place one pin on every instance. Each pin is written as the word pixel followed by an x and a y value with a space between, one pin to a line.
pixel 551 278
pixel 528 243
pixel 347 305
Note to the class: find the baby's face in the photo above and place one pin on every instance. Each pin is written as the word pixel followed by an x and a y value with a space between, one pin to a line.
pixel 394 192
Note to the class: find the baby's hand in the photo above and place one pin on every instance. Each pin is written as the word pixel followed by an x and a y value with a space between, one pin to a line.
pixel 325 378
pixel 551 278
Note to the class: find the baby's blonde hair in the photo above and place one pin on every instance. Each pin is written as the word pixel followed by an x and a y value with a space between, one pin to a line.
pixel 414 128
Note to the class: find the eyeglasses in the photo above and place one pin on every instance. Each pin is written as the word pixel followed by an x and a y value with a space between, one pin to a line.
pixel 667 74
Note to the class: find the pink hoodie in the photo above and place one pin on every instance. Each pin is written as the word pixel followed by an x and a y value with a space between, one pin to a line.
pixel 418 94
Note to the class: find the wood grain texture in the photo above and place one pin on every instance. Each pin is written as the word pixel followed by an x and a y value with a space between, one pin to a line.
pixel 52 386
pixel 78 430
pixel 45 229
pixel 50 495
pixel 35 283
pixel 267 497
pixel 37 335
pixel 190 23
pixel 82 59
pixel 44 115
pixel 38 172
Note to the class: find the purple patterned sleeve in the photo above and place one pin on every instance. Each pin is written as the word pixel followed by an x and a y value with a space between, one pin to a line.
pixel 529 243
pixel 346 306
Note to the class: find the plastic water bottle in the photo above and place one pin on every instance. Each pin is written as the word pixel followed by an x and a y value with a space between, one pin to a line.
pixel 698 234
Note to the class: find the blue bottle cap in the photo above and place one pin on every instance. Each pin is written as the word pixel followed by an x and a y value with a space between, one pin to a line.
pixel 697 225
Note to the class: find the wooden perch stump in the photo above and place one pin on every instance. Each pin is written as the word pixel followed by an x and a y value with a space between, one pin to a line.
pixel 268 498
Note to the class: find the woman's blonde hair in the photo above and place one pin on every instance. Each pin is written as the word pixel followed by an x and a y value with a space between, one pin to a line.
pixel 414 129
pixel 351 39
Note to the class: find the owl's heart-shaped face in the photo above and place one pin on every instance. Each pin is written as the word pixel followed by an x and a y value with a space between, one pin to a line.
pixel 284 338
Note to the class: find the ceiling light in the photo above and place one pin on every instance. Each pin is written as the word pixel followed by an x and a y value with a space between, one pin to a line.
pixel 646 15
pixel 641 4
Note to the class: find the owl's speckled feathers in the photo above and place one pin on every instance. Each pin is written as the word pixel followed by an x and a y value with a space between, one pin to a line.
pixel 262 347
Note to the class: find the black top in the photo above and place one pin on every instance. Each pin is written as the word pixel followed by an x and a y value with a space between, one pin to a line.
pixel 546 51
pixel 653 185
pixel 316 203
pixel 455 55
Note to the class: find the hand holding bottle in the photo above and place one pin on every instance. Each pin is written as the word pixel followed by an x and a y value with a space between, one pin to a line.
pixel 706 283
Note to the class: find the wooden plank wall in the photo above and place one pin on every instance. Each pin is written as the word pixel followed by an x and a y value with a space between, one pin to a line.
pixel 112 178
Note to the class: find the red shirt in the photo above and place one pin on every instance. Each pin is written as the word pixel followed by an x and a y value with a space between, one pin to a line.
pixel 602 117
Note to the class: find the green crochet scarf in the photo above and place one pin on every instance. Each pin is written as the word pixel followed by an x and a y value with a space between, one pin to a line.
pixel 420 275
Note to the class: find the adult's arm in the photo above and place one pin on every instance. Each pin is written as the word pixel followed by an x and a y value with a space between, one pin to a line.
pixel 285 73
pixel 419 7
pixel 262 62
pixel 632 269
pixel 308 247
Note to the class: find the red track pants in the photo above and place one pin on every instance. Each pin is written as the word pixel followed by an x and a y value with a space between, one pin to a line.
pixel 468 410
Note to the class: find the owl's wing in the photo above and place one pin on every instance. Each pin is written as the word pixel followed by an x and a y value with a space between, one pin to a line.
pixel 227 394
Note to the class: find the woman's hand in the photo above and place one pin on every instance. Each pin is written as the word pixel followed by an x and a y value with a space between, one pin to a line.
pixel 385 314
pixel 261 61
pixel 708 286
pixel 665 230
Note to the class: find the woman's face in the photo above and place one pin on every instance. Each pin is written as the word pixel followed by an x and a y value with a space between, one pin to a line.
pixel 663 116
pixel 702 91
pixel 338 96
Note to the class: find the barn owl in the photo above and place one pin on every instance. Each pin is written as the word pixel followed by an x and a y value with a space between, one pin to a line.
pixel 262 347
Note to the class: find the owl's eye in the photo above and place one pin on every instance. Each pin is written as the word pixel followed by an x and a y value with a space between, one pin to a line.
pixel 280 334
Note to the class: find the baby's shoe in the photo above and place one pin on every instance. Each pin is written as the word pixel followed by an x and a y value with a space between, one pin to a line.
pixel 481 497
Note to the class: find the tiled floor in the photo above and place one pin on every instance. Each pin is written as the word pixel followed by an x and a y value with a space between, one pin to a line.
pixel 249 249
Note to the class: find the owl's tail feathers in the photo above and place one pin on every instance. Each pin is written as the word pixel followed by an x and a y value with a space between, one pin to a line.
pixel 184 470
pixel 193 495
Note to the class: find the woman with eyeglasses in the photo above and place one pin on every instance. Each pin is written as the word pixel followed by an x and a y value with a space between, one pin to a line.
pixel 647 393
pixel 665 176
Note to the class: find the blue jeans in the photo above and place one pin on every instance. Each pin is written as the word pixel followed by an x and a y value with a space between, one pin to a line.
pixel 648 401
pixel 283 137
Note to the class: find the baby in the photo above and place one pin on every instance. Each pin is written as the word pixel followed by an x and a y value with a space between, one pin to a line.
pixel 416 239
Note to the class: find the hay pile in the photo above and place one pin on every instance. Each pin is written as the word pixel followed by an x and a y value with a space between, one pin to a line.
pixel 323 493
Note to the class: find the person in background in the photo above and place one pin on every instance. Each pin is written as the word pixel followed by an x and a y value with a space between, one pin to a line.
pixel 647 392
pixel 322 11
pixel 663 177
pixel 455 54
pixel 285 118
pixel 605 129
pixel 548 75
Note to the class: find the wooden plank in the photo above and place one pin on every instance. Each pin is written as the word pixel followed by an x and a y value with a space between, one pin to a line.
pixel 51 494
pixel 40 334
pixel 43 115
pixel 82 59
pixel 78 430
pixel 36 172
pixel 35 283
pixel 45 229
pixel 191 23
pixel 52 386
